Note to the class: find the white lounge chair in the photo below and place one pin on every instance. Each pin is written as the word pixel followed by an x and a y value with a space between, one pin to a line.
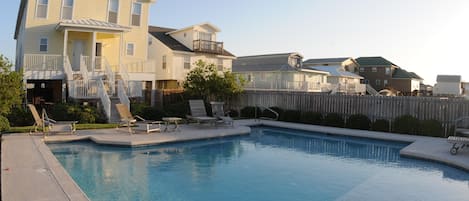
pixel 219 113
pixel 198 112
pixel 130 120
pixel 50 125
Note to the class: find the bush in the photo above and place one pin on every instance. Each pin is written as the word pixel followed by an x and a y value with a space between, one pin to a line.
pixel 333 119
pixel 249 112
pixel 269 114
pixel 358 121
pixel 20 116
pixel 432 128
pixel 149 112
pixel 75 112
pixel 291 116
pixel 233 113
pixel 4 124
pixel 380 125
pixel 406 124
pixel 180 109
pixel 311 118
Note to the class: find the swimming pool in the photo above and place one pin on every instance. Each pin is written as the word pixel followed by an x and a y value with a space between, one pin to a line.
pixel 269 164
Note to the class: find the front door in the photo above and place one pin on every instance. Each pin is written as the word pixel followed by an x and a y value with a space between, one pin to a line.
pixel 78 50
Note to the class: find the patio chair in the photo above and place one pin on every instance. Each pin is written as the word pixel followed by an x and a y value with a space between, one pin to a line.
pixel 198 112
pixel 50 125
pixel 130 120
pixel 220 114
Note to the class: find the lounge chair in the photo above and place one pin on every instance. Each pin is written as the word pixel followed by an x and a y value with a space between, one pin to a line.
pixel 198 112
pixel 50 125
pixel 130 120
pixel 220 114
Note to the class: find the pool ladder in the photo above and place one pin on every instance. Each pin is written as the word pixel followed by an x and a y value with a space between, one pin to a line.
pixel 258 117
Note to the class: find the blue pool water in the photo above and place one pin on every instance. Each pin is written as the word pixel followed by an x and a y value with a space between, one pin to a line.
pixel 270 164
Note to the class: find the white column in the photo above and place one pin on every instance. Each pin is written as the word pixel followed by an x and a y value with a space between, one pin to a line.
pixel 121 50
pixel 64 86
pixel 93 52
pixel 65 42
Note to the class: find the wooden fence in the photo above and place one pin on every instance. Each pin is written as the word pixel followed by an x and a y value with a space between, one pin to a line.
pixel 445 110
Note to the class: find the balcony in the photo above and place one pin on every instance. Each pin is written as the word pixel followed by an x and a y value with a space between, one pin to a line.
pixel 206 46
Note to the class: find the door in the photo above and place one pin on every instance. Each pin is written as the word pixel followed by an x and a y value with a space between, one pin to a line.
pixel 99 52
pixel 78 50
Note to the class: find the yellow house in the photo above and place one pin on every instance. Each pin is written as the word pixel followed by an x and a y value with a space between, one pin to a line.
pixel 84 49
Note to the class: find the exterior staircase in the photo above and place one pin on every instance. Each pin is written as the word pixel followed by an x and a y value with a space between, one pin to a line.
pixel 115 118
pixel 372 91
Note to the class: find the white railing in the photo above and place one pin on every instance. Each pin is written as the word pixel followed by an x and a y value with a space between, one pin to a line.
pixel 121 93
pixel 68 68
pixel 84 68
pixel 109 74
pixel 104 97
pixel 124 73
pixel 286 86
pixel 134 89
pixel 141 67
pixel 43 62
pixel 83 89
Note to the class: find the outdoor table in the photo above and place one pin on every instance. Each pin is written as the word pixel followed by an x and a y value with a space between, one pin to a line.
pixel 171 120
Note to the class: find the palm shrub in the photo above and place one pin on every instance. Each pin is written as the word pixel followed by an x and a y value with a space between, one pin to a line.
pixel 431 127
pixel 311 118
pixel 334 120
pixel 358 121
pixel 406 124
pixel 380 125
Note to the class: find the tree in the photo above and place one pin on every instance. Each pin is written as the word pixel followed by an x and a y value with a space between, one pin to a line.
pixel 205 81
pixel 11 86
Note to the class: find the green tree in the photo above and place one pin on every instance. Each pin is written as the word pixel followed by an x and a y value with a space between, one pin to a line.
pixel 11 86
pixel 205 81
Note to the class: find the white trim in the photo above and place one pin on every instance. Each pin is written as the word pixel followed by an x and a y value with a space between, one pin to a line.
pixel 191 27
pixel 109 8
pixel 47 10
pixel 131 13
pixel 127 49
pixel 62 9
pixel 47 44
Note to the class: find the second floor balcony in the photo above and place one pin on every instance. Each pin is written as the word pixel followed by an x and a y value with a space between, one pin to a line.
pixel 206 46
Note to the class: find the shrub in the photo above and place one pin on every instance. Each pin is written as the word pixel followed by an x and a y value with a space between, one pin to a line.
pixel 180 109
pixel 75 112
pixel 291 116
pixel 269 114
pixel 311 118
pixel 333 119
pixel 432 128
pixel 233 113
pixel 4 124
pixel 380 125
pixel 20 116
pixel 406 124
pixel 249 112
pixel 149 112
pixel 358 121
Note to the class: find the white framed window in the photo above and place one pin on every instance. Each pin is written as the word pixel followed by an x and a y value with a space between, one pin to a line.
pixel 113 11
pixel 388 71
pixel 67 9
pixel 374 69
pixel 164 62
pixel 136 14
pixel 205 36
pixel 378 82
pixel 220 65
pixel 385 82
pixel 43 44
pixel 362 69
pixel 41 8
pixel 187 62
pixel 130 49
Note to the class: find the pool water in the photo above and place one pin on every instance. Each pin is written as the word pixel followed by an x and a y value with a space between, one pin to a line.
pixel 269 164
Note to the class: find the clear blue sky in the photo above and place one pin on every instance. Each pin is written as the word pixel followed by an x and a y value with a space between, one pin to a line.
pixel 428 37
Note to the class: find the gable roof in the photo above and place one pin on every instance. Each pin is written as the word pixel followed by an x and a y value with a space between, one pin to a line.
pixel 161 33
pixel 336 71
pixel 403 74
pixel 448 78
pixel 374 61
pixel 326 60
pixel 268 62
pixel 190 27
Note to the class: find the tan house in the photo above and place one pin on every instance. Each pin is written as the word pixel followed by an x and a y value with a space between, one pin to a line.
pixel 176 50
pixel 69 49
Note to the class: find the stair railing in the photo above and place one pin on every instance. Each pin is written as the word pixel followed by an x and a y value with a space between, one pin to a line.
pixel 123 98
pixel 104 97
pixel 110 75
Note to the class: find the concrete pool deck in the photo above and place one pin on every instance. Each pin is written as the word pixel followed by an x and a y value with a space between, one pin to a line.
pixel 31 172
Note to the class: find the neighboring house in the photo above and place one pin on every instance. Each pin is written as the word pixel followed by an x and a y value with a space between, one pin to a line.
pixel 280 72
pixel 448 85
pixel 86 50
pixel 383 74
pixel 347 63
pixel 342 77
pixel 176 50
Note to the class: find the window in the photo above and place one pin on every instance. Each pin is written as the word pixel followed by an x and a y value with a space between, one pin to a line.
pixel 67 9
pixel 136 13
pixel 362 69
pixel 43 44
pixel 220 65
pixel 41 9
pixel 113 11
pixel 205 36
pixel 164 61
pixel 374 69
pixel 130 49
pixel 250 78
pixel 187 62
pixel 388 71
pixel 378 82
pixel 385 82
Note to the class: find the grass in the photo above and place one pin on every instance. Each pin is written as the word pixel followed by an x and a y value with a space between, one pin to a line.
pixel 26 129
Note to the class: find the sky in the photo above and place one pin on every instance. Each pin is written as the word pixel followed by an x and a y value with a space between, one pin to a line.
pixel 428 37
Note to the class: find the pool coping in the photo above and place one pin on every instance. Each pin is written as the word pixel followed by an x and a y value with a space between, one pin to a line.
pixel 420 147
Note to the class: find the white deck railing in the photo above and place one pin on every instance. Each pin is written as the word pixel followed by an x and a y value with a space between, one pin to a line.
pixel 134 89
pixel 43 62
pixel 121 93
pixel 104 97
pixel 68 68
pixel 109 74
pixel 286 86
